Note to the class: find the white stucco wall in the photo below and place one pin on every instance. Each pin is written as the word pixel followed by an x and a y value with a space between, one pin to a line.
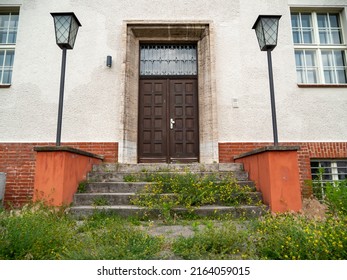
pixel 92 105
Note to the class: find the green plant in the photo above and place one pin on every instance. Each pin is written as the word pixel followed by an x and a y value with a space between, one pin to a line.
pixel 336 197
pixel 100 201
pixel 82 186
pixel 333 194
pixel 223 241
pixel 130 178
pixel 104 236
pixel 35 232
pixel 290 236
pixel 190 190
pixel 43 233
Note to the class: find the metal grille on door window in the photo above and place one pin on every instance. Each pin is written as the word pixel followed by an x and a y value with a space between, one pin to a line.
pixel 166 60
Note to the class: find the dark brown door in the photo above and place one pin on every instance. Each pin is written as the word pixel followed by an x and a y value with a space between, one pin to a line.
pixel 168 120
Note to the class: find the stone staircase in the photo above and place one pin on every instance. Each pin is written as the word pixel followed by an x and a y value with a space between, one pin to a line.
pixel 110 188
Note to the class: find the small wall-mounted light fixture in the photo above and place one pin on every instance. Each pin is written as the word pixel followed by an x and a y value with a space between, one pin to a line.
pixel 109 61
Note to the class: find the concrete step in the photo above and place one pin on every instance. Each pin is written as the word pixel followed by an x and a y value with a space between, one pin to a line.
pixel 98 176
pixel 165 167
pixel 141 212
pixel 116 187
pixel 108 199
pixel 134 187
pixel 102 199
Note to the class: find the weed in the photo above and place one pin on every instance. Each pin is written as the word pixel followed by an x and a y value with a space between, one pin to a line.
pixel 82 187
pixel 190 190
pixel 100 201
pixel 290 236
pixel 130 178
pixel 333 194
pixel 336 197
pixel 217 242
pixel 35 233
pixel 43 233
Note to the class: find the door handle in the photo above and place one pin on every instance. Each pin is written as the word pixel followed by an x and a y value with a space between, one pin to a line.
pixel 172 122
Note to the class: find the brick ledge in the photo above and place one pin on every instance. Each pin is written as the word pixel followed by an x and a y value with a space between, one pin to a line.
pixel 268 149
pixel 67 149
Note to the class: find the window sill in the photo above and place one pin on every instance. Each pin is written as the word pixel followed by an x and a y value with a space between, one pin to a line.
pixel 5 86
pixel 322 86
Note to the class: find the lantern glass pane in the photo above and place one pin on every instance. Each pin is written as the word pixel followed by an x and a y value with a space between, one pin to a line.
pixel 62 26
pixel 73 32
pixel 270 26
pixel 260 34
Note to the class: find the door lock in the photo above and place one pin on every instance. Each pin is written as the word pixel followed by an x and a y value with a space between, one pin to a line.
pixel 172 122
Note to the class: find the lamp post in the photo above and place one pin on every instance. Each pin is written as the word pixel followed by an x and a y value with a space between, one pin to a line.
pixel 66 26
pixel 266 29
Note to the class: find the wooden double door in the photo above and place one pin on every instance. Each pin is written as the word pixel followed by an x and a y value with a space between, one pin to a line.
pixel 168 121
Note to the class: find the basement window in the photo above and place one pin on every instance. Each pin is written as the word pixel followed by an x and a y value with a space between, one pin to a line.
pixel 327 171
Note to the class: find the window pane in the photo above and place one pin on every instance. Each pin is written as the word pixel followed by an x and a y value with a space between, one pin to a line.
pixel 323 37
pixel 295 20
pixel 339 58
pixel 312 76
pixel 12 36
pixel 299 58
pixel 300 76
pixel 322 20
pixel 329 76
pixel 168 60
pixel 310 58
pixel 341 76
pixel 334 20
pixel 6 79
pixel 9 58
pixel 4 20
pixel 14 21
pixel 306 20
pixel 2 55
pixel 296 37
pixel 342 169
pixel 307 37
pixel 3 36
pixel 327 58
pixel 336 37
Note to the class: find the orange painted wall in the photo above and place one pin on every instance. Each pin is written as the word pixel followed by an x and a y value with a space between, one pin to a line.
pixel 18 161
pixel 276 174
pixel 58 174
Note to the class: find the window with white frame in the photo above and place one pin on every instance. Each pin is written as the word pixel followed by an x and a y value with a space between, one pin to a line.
pixel 8 37
pixel 320 47
pixel 327 171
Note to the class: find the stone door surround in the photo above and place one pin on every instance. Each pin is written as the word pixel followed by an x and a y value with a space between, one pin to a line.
pixel 136 32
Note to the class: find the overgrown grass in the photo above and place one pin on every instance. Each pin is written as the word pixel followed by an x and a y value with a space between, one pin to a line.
pixel 224 241
pixel 279 237
pixel 289 236
pixel 44 233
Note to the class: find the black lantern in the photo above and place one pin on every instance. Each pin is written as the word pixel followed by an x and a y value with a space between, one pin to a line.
pixel 266 29
pixel 66 27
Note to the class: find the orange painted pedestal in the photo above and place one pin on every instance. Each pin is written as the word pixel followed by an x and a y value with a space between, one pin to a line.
pixel 275 172
pixel 58 172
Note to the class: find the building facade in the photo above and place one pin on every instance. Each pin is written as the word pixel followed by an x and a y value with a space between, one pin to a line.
pixel 187 83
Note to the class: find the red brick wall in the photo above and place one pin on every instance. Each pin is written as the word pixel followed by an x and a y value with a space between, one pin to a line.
pixel 307 152
pixel 17 160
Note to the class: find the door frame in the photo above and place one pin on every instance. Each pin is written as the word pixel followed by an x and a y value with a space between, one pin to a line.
pixel 136 32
